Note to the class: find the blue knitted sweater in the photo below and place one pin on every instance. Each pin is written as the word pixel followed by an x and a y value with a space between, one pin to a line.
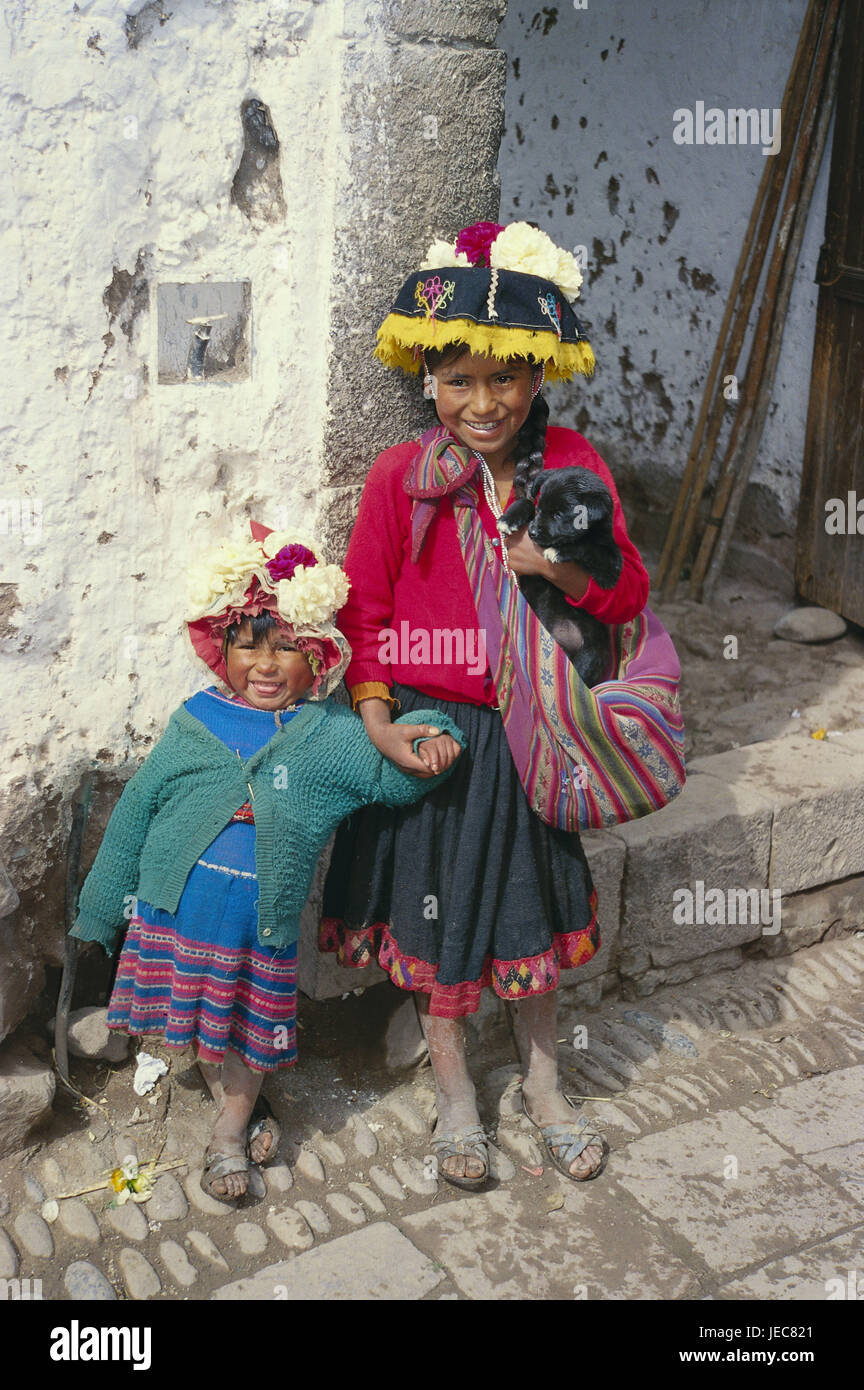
pixel 313 772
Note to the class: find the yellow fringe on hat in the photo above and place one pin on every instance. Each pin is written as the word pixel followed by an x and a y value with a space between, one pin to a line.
pixel 399 335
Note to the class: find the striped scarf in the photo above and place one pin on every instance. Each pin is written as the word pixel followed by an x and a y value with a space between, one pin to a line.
pixel 587 758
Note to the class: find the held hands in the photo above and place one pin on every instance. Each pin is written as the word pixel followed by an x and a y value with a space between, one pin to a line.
pixel 435 756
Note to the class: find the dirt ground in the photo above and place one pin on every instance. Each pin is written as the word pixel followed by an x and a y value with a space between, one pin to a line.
pixel 773 688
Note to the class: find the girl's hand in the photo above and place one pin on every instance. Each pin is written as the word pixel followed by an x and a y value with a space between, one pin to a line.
pixel 439 753
pixel 526 557
pixel 394 742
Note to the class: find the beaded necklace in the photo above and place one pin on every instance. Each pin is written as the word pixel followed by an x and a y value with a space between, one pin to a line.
pixel 494 505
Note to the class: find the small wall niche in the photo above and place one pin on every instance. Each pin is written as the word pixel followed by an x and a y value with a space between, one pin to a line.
pixel 204 332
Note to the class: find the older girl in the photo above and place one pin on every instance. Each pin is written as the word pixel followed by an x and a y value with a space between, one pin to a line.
pixel 470 889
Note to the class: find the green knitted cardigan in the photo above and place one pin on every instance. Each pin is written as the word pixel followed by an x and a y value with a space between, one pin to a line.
pixel 314 772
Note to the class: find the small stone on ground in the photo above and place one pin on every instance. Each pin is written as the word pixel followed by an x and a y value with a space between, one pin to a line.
pixel 129 1220
pixel 341 1204
pixel 8 1257
pixel 177 1263
pixel 279 1177
pixel 205 1247
pixel 386 1183
pixel 809 625
pixel 371 1201
pixel 309 1166
pixel 85 1283
pixel 78 1221
pixel 139 1276
pixel 168 1200
pixel 291 1228
pixel 251 1239
pixel 315 1215
pixel 34 1234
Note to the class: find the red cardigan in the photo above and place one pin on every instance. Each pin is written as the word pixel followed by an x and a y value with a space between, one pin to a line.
pixel 388 588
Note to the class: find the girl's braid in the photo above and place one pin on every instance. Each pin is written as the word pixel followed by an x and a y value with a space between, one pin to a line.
pixel 530 443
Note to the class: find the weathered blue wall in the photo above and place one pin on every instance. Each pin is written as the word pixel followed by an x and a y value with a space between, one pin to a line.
pixel 588 153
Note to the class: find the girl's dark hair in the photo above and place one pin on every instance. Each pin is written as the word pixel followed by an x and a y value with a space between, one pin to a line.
pixel 531 439
pixel 261 626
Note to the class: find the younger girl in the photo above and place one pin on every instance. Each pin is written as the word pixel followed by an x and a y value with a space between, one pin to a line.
pixel 217 835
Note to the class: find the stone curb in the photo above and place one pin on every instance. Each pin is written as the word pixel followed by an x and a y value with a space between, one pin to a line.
pixel 785 816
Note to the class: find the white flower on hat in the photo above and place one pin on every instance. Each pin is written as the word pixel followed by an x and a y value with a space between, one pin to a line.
pixel 218 572
pixel 526 249
pixel 313 594
pixel 568 276
pixel 441 255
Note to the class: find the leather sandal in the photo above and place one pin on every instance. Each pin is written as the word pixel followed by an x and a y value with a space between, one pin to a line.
pixel 218 1166
pixel 565 1142
pixel 263 1121
pixel 463 1143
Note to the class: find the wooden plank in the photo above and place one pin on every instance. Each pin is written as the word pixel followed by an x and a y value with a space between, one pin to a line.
pixel 829 568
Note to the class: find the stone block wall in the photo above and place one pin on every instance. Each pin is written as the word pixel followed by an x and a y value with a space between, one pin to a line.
pixel 784 818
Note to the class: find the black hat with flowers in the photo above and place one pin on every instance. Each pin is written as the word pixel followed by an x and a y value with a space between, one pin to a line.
pixel 502 292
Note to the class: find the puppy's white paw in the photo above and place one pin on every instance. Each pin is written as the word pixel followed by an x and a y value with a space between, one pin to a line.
pixel 551 555
pixel 505 528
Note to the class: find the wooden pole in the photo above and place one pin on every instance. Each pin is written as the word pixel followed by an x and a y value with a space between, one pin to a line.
pixel 744 463
pixel 759 227
pixel 767 312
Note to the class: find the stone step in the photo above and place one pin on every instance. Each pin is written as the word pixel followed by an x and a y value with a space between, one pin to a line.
pixel 630 1041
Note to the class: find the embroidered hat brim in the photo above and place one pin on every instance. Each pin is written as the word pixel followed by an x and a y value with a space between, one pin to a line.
pixel 497 313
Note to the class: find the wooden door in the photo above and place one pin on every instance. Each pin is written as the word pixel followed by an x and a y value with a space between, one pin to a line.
pixel 829 563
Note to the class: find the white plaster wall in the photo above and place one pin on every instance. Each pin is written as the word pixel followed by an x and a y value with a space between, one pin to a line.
pixel 590 99
pixel 158 469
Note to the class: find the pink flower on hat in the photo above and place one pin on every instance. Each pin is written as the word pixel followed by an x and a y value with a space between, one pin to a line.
pixel 287 560
pixel 476 241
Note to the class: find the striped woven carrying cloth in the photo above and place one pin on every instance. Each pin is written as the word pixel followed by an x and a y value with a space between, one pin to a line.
pixel 587 758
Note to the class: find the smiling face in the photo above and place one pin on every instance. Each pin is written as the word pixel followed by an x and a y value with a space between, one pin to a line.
pixel 483 401
pixel 269 673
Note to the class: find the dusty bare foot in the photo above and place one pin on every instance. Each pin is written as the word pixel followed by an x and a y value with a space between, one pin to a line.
pixel 261 1147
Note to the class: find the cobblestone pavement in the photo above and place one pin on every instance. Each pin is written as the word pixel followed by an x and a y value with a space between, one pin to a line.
pixel 734 1114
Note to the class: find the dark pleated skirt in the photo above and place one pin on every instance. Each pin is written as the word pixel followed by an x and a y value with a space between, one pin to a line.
pixel 466 889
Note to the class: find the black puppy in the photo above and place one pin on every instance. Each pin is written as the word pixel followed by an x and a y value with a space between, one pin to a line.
pixel 568 512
